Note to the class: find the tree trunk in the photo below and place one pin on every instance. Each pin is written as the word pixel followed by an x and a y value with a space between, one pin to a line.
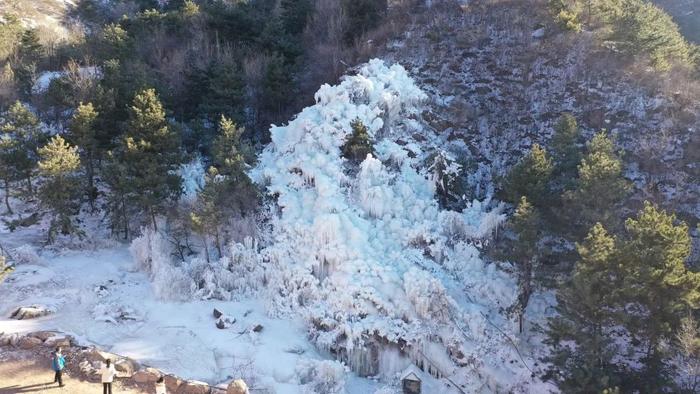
pixel 206 247
pixel 153 219
pixel 125 218
pixel 90 171
pixel 7 196
pixel 30 189
pixel 218 241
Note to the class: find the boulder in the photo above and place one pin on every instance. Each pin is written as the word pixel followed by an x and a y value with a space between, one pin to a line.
pixel 147 375
pixel 62 341
pixel 238 386
pixel 43 335
pixel 6 339
pixel 257 328
pixel 217 313
pixel 96 356
pixel 29 343
pixel 172 383
pixel 126 367
pixel 220 324
pixel 88 369
pixel 193 387
pixel 30 312
pixel 539 33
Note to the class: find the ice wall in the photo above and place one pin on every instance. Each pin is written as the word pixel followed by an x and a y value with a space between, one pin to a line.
pixel 383 275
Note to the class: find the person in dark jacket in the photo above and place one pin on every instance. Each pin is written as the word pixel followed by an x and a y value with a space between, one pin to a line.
pixel 58 362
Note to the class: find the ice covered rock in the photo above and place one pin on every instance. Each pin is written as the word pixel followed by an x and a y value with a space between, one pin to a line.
pixel 225 321
pixel 31 312
pixel 238 386
pixel 538 33
pixel 217 313
pixel 193 387
pixel 126 367
pixel 113 313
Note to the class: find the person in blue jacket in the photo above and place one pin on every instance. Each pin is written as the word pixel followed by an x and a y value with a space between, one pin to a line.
pixel 58 362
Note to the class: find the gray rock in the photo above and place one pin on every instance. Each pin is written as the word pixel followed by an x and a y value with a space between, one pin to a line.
pixel 30 312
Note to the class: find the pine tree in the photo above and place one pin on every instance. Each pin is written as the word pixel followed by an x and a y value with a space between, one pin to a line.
pixel 358 145
pixel 120 191
pixel 227 150
pixel 233 191
pixel 295 14
pixel 206 218
pixel 278 87
pixel 225 92
pixel 657 283
pixel 564 150
pixel 530 177
pixel 60 191
pixel 525 225
pixel 30 49
pixel 582 347
pixel 640 27
pixel 599 186
pixel 83 134
pixel 21 135
pixel 444 168
pixel 151 155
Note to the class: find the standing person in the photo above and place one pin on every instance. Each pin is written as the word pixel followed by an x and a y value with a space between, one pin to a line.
pixel 108 372
pixel 160 386
pixel 58 362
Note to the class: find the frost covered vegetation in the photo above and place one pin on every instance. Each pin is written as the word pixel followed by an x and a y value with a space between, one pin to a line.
pixel 508 201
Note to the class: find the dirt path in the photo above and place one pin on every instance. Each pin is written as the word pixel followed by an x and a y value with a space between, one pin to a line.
pixel 21 375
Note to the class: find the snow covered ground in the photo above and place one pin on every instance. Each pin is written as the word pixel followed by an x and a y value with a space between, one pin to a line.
pixel 100 299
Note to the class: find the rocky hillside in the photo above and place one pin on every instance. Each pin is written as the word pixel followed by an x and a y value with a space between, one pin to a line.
pixel 499 74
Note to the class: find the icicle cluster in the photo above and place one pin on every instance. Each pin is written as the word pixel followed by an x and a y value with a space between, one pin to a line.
pixel 384 277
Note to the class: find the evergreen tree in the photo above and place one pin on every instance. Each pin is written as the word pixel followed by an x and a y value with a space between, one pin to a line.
pixel 599 186
pixel 564 150
pixel 530 177
pixel 151 155
pixel 83 134
pixel 582 347
pixel 295 14
pixel 444 168
pixel 228 152
pixel 120 191
pixel 277 86
pixel 640 27
pixel 657 284
pixel 225 92
pixel 233 190
pixel 206 218
pixel 30 49
pixel 58 166
pixel 358 145
pixel 525 224
pixel 21 137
